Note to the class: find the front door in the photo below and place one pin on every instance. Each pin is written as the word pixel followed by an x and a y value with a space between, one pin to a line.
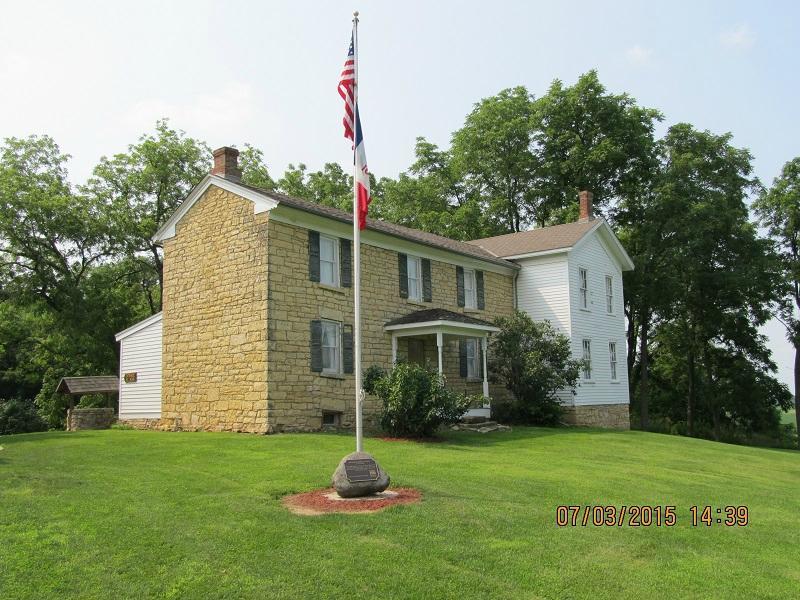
pixel 416 352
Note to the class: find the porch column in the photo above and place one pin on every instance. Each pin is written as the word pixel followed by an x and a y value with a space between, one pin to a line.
pixel 439 347
pixel 394 349
pixel 485 370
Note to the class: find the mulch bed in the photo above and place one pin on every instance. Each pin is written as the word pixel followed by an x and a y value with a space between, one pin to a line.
pixel 325 501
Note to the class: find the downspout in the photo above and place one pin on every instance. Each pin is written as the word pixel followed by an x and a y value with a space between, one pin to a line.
pixel 514 300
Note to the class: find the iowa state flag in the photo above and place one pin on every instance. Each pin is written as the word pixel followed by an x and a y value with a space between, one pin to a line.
pixel 352 131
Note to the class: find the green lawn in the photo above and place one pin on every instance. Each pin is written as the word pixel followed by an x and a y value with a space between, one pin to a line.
pixel 129 514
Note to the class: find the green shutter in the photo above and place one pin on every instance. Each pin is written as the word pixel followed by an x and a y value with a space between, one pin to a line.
pixel 402 267
pixel 427 286
pixel 479 285
pixel 346 266
pixel 460 286
pixel 462 357
pixel 347 348
pixel 313 256
pixel 316 346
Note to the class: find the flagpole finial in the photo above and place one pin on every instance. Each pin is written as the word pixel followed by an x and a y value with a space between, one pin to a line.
pixel 355 15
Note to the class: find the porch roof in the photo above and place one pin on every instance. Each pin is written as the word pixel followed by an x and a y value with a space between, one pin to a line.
pixel 435 320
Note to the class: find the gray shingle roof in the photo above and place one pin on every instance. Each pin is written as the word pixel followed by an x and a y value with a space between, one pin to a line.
pixel 414 235
pixel 536 240
pixel 436 314
pixel 100 384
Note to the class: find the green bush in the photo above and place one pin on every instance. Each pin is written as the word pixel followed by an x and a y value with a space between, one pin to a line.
pixel 19 416
pixel 416 402
pixel 372 375
pixel 534 362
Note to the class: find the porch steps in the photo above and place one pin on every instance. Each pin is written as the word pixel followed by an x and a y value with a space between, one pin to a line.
pixel 479 425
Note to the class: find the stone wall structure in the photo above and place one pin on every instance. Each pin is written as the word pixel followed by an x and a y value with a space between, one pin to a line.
pixel 297 395
pixel 89 418
pixel 215 315
pixel 609 416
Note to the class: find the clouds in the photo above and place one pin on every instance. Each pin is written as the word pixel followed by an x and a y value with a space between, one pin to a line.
pixel 638 55
pixel 740 37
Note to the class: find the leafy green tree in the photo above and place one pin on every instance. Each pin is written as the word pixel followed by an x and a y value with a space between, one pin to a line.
pixel 778 210
pixel 493 155
pixel 588 139
pixel 535 363
pixel 141 188
pixel 254 171
pixel 330 187
pixel 50 236
pixel 725 276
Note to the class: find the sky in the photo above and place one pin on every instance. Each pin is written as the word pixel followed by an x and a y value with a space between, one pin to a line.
pixel 97 75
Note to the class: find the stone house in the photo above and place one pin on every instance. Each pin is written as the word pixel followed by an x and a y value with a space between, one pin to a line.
pixel 256 329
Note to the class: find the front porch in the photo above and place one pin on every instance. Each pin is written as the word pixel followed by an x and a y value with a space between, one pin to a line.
pixel 455 344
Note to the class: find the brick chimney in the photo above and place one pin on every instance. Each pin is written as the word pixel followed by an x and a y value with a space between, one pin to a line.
pixel 587 211
pixel 226 163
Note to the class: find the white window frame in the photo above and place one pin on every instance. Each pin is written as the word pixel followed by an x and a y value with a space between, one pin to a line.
pixel 587 357
pixel 583 286
pixel 470 293
pixel 612 360
pixel 610 294
pixel 336 367
pixel 335 263
pixel 473 358
pixel 416 281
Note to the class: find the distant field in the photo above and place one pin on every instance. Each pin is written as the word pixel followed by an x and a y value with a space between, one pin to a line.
pixel 130 514
pixel 789 417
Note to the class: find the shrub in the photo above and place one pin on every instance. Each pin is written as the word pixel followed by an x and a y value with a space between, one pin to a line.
pixel 534 362
pixel 416 402
pixel 371 376
pixel 19 416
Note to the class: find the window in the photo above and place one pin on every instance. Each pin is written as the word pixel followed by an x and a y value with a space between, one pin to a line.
pixel 414 277
pixel 330 419
pixel 331 347
pixel 609 294
pixel 329 260
pixel 473 359
pixel 612 359
pixel 584 283
pixel 587 359
pixel 470 291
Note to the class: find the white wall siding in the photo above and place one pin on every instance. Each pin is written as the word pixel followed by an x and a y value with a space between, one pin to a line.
pixel 140 353
pixel 543 290
pixel 595 324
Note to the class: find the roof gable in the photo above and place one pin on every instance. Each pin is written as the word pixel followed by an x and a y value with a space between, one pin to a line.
pixel 556 238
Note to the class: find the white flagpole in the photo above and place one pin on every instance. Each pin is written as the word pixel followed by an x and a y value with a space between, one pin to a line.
pixel 356 254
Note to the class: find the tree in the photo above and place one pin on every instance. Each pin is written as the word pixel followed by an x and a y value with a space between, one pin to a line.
pixel 534 362
pixel 492 153
pixel 254 171
pixel 50 237
pixel 142 188
pixel 330 187
pixel 724 276
pixel 778 210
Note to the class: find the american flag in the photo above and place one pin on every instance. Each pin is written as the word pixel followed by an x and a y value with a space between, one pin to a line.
pixel 352 125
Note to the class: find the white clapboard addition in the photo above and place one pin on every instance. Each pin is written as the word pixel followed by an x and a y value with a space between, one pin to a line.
pixel 596 323
pixel 140 360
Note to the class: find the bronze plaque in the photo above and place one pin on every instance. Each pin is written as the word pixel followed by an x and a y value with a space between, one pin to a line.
pixel 131 377
pixel 361 469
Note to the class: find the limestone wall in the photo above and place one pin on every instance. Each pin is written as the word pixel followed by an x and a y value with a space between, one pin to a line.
pixel 297 395
pixel 215 313
pixel 610 416
pixel 89 418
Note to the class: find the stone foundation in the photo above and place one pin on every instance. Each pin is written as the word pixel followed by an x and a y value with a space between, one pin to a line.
pixel 608 416
pixel 89 418
pixel 142 423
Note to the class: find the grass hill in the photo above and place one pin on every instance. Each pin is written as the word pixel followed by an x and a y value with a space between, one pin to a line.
pixel 129 514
